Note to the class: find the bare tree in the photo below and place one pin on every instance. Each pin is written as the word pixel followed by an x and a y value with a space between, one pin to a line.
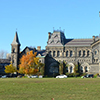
pixel 3 54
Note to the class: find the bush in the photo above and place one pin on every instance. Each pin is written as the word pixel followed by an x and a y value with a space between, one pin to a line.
pixel 72 74
pixel 83 74
pixel 96 75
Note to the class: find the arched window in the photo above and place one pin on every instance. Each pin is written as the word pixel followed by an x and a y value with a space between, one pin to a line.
pixel 80 53
pixel 53 53
pixel 83 53
pixel 66 69
pixel 66 53
pixel 58 53
pixel 71 53
pixel 50 53
pixel 81 69
pixel 95 52
pixel 86 70
pixel 71 69
pixel 88 53
pixel 13 50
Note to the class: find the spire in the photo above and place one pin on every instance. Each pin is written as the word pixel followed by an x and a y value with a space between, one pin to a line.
pixel 16 40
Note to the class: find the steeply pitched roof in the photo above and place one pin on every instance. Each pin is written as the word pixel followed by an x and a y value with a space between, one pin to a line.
pixel 16 40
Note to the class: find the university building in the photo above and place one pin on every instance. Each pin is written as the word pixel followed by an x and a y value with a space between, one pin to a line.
pixel 84 52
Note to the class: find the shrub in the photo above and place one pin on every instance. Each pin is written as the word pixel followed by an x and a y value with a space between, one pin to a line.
pixel 96 75
pixel 83 74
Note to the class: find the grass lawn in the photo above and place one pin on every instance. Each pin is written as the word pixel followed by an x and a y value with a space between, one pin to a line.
pixel 48 88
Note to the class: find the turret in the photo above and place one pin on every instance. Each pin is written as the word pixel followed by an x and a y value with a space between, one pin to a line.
pixel 15 50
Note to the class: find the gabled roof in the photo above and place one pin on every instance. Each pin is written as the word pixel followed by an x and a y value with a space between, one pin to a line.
pixel 41 52
pixel 16 40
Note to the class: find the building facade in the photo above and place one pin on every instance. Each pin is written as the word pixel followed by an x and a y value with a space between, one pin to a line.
pixel 72 51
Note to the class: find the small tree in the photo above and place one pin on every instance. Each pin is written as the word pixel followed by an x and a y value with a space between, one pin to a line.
pixel 76 70
pixel 41 69
pixel 61 68
pixel 10 69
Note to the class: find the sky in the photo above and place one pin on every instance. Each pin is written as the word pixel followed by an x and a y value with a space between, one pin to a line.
pixel 33 19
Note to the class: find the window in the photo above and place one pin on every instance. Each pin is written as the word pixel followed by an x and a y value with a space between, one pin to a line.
pixel 53 53
pixel 80 53
pixel 81 69
pixel 58 53
pixel 66 69
pixel 96 60
pixel 13 61
pixel 95 52
pixel 71 69
pixel 88 53
pixel 66 53
pixel 86 69
pixel 71 54
pixel 13 50
pixel 83 53
pixel 50 53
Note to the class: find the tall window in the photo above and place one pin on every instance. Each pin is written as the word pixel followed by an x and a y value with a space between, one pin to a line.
pixel 71 53
pixel 95 52
pixel 58 53
pixel 83 53
pixel 50 53
pixel 81 69
pixel 86 69
pixel 88 53
pixel 66 53
pixel 80 53
pixel 71 69
pixel 13 50
pixel 53 53
pixel 66 69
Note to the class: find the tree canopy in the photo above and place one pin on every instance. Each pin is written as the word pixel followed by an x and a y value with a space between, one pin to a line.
pixel 10 68
pixel 29 64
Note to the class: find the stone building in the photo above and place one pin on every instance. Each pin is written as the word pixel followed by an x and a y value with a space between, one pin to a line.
pixel 16 54
pixel 73 51
pixel 3 63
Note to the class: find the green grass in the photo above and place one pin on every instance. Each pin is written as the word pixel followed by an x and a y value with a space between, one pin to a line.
pixel 48 88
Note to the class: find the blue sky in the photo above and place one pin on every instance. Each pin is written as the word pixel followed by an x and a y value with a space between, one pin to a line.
pixel 35 18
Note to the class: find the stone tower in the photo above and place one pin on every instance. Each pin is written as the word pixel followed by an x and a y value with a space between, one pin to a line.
pixel 15 50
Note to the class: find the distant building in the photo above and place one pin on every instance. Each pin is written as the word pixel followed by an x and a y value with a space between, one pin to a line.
pixel 3 63
pixel 16 54
pixel 84 52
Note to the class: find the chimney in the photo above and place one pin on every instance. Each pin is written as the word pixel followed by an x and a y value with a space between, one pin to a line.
pixel 39 48
pixel 49 35
pixel 93 38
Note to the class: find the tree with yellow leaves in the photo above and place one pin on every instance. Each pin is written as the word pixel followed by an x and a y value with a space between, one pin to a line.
pixel 29 64
pixel 10 69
